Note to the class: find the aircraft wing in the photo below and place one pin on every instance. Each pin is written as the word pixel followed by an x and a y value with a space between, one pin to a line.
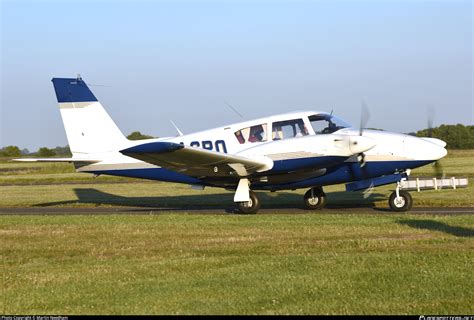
pixel 196 162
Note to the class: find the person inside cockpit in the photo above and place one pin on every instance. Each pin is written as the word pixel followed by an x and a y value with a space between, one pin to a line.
pixel 256 133
pixel 330 128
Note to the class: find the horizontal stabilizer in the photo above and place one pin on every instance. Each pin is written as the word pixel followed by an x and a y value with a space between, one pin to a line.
pixel 72 160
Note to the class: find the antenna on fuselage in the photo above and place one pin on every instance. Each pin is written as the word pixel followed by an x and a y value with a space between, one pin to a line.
pixel 177 129
pixel 233 109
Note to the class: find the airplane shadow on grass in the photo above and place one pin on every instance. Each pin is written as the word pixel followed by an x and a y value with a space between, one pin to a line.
pixel 439 226
pixel 223 201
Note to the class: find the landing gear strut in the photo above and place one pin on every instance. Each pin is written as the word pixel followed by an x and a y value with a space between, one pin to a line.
pixel 400 200
pixel 314 198
pixel 251 206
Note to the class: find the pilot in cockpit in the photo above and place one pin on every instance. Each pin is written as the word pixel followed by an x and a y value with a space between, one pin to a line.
pixel 330 128
pixel 256 134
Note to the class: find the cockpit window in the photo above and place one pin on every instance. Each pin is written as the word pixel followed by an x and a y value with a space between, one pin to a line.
pixel 289 129
pixel 326 123
pixel 252 134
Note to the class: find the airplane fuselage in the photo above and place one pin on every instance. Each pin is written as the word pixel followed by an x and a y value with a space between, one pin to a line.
pixel 298 162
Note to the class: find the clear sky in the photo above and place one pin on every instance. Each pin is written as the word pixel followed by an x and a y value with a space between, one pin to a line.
pixel 182 60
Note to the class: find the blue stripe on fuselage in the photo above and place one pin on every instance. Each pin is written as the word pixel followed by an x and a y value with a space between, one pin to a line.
pixel 347 172
pixel 305 163
pixel 341 173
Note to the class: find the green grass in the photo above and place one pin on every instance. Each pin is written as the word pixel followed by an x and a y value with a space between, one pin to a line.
pixel 227 264
pixel 170 195
pixel 180 263
pixel 459 163
pixel 24 173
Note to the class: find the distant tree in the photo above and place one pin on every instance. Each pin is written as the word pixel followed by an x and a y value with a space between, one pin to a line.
pixel 45 152
pixel 25 152
pixel 137 135
pixel 456 136
pixel 63 151
pixel 10 151
pixel 375 129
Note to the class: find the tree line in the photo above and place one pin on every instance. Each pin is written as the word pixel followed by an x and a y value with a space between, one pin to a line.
pixel 44 152
pixel 456 137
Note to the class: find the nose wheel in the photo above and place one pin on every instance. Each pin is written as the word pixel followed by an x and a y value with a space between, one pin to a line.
pixel 400 201
pixel 314 198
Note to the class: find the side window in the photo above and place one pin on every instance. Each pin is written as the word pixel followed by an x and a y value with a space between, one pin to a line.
pixel 252 134
pixel 289 129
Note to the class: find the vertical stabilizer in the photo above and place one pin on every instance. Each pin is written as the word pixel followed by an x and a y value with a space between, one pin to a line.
pixel 89 128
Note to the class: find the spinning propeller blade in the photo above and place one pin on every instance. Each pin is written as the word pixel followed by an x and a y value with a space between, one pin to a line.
pixel 364 118
pixel 437 166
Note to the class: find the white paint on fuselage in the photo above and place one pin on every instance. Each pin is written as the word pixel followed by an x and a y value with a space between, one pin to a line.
pixel 388 146
pixel 391 146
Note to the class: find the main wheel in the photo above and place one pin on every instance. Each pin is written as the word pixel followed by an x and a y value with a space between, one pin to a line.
pixel 401 204
pixel 314 198
pixel 251 206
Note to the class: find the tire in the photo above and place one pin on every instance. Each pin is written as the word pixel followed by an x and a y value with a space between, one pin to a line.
pixel 403 204
pixel 319 200
pixel 250 207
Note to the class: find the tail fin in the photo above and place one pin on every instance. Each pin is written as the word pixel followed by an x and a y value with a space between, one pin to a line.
pixel 89 128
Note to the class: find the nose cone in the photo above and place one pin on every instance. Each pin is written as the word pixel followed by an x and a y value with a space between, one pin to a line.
pixel 358 144
pixel 438 152
pixel 424 148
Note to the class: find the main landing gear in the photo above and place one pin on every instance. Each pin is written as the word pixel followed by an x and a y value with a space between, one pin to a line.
pixel 251 206
pixel 315 198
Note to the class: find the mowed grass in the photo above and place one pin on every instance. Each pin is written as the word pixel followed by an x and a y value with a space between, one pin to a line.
pixel 233 264
pixel 187 263
pixel 180 196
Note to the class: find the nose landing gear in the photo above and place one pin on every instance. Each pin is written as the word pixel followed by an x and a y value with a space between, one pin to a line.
pixel 314 198
pixel 400 200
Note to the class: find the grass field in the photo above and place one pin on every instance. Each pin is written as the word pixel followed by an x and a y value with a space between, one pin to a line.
pixel 214 262
pixel 228 264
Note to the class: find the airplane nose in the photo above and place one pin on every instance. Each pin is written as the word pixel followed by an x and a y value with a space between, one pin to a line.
pixel 359 144
pixel 439 152
pixel 424 148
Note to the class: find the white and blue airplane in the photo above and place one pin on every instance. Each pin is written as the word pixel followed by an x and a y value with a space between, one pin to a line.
pixel 309 149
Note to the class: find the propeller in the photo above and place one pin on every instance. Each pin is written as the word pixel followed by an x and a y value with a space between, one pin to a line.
pixel 364 118
pixel 437 166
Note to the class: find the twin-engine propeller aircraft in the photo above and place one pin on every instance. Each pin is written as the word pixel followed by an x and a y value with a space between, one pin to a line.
pixel 282 152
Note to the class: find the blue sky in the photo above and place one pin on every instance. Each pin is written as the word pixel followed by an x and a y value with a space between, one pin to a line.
pixel 182 60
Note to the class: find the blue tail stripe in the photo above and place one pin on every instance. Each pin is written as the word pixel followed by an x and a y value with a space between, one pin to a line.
pixel 72 90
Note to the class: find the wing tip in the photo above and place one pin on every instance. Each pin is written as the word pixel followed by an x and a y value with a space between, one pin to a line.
pixel 153 147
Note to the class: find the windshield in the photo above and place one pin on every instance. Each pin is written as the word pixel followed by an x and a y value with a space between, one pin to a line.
pixel 326 123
